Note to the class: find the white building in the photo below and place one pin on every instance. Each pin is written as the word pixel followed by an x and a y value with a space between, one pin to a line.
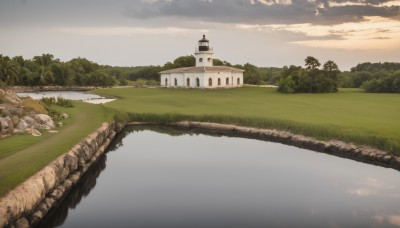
pixel 204 74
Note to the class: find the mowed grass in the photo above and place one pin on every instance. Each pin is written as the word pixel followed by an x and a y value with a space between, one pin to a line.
pixel 349 115
pixel 23 155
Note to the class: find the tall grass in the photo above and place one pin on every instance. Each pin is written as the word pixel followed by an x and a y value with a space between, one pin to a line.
pixel 316 131
pixel 349 115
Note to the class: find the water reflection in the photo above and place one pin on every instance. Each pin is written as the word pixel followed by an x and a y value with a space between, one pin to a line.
pixel 87 183
pixel 167 177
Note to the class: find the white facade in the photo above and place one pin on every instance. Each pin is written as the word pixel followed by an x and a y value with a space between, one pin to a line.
pixel 204 74
pixel 202 80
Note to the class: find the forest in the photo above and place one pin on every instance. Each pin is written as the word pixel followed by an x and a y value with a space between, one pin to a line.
pixel 46 70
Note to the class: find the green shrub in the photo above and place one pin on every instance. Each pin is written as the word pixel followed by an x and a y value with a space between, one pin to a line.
pixel 54 114
pixel 48 100
pixel 60 101
pixel 64 102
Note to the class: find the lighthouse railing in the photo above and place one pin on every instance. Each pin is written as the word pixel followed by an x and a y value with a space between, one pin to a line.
pixel 210 49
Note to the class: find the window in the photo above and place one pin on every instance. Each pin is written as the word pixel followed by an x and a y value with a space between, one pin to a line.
pixel 210 82
pixel 188 82
pixel 209 59
pixel 201 60
pixel 198 82
pixel 227 81
pixel 176 82
pixel 238 81
pixel 219 81
pixel 166 82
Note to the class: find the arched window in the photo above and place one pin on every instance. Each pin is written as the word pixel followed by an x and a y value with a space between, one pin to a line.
pixel 176 82
pixel 238 81
pixel 187 81
pixel 198 82
pixel 166 82
pixel 210 82
pixel 209 59
pixel 227 81
pixel 201 60
pixel 219 81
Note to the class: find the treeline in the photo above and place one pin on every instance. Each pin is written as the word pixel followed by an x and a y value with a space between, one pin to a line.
pixel 310 79
pixel 373 77
pixel 46 70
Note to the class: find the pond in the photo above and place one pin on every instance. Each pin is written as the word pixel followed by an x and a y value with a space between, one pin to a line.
pixel 166 177
pixel 71 95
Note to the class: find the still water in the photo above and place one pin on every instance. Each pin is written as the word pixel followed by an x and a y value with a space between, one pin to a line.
pixel 165 177
pixel 71 95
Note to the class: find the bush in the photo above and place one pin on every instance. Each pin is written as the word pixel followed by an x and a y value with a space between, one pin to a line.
pixel 54 114
pixel 60 101
pixel 48 100
pixel 64 102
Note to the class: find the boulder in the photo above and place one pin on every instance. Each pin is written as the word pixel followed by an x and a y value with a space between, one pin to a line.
pixel 30 122
pixel 12 97
pixel 22 125
pixel 15 120
pixel 6 125
pixel 44 121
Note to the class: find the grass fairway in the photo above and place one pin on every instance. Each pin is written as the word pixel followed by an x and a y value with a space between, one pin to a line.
pixel 350 115
pixel 23 155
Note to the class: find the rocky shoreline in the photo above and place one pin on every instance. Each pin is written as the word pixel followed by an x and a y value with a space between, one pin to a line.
pixel 29 202
pixel 17 119
pixel 334 147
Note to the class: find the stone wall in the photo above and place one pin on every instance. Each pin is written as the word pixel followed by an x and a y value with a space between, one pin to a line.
pixel 30 201
pixel 338 148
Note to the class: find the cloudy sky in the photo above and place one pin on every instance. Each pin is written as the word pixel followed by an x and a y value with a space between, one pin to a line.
pixel 152 32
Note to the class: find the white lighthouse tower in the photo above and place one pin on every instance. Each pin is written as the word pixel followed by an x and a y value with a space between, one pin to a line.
pixel 204 53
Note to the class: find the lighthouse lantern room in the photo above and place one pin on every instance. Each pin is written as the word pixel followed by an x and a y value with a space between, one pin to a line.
pixel 203 53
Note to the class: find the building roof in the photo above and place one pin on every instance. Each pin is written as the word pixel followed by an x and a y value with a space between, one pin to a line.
pixel 203 70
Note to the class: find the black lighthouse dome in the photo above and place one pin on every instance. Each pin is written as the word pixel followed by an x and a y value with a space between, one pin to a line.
pixel 203 44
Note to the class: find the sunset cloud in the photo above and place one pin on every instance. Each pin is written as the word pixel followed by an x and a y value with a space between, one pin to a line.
pixel 373 33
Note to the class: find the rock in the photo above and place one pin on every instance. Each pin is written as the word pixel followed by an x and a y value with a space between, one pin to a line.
pixel 16 111
pixel 22 223
pixel 44 121
pixel 33 131
pixel 15 120
pixel 65 115
pixel 22 125
pixel 12 97
pixel 29 121
pixel 2 92
pixel 6 126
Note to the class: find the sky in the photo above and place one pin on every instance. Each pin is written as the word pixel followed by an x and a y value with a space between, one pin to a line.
pixel 268 33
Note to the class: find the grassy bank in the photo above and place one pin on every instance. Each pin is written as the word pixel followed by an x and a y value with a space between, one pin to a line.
pixel 350 115
pixel 23 155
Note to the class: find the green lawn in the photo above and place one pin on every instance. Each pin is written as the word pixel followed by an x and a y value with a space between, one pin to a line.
pixel 350 115
pixel 23 155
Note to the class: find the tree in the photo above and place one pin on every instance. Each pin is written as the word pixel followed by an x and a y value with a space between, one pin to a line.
pixel 46 75
pixel 311 63
pixel 185 61
pixel 9 71
pixel 286 85
pixel 251 74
